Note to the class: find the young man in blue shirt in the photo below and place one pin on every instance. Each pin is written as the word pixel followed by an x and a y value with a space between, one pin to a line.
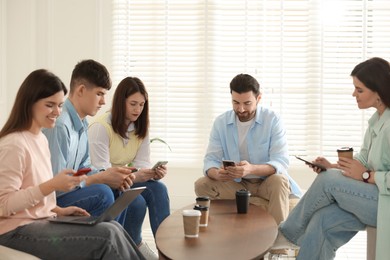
pixel 254 138
pixel 68 140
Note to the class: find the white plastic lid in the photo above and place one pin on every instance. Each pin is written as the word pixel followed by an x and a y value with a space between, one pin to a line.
pixel 191 213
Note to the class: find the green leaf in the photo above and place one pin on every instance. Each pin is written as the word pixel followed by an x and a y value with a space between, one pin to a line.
pixel 161 141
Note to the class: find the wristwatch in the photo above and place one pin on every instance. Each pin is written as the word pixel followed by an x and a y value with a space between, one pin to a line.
pixel 366 175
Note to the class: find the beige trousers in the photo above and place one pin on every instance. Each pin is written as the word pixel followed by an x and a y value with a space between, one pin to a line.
pixel 274 191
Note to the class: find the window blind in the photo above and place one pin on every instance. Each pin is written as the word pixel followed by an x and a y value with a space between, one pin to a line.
pixel 300 51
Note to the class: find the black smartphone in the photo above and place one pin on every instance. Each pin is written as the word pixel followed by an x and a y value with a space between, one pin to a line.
pixel 312 164
pixel 227 163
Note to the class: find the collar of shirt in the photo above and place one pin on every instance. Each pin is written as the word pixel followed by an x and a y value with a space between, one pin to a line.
pixel 377 122
pixel 78 124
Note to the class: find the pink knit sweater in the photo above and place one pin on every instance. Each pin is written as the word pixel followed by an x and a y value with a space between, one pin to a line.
pixel 24 164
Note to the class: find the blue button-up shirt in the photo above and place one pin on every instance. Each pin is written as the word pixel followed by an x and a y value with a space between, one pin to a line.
pixel 68 141
pixel 266 140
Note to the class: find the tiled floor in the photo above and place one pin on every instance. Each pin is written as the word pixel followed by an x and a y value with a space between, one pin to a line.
pixel 354 250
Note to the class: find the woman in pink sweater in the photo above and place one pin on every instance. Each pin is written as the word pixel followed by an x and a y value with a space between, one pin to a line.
pixel 27 186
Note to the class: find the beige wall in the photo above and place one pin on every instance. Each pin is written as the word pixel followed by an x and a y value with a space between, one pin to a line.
pixel 51 34
pixel 56 34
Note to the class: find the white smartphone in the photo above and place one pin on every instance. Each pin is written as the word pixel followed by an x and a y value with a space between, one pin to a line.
pixel 158 164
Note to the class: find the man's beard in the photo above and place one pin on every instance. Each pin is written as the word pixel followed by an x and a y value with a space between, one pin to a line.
pixel 246 116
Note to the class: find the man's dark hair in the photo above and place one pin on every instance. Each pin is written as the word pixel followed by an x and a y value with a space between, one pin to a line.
pixel 92 72
pixel 244 83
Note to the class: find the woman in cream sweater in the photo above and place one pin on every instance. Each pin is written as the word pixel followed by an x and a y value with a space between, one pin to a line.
pixel 121 137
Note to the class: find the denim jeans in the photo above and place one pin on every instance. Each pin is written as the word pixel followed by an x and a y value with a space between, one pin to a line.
pixel 330 213
pixel 106 240
pixel 156 199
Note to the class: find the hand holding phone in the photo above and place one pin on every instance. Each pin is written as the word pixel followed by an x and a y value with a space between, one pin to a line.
pixel 158 164
pixel 82 171
pixel 227 163
pixel 312 164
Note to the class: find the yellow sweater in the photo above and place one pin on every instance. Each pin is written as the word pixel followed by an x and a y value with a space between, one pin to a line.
pixel 120 152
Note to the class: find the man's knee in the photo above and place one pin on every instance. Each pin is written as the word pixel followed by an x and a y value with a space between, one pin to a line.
pixel 158 187
pixel 138 203
pixel 104 191
pixel 202 186
pixel 279 181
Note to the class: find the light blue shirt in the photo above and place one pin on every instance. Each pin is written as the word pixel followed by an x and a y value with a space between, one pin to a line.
pixel 374 155
pixel 266 140
pixel 68 141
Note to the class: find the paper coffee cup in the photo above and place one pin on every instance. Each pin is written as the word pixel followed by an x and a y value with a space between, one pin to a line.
pixel 204 217
pixel 346 152
pixel 203 201
pixel 191 219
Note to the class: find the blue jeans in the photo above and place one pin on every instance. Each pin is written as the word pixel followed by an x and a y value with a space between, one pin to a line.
pixel 95 199
pixel 330 213
pixel 106 240
pixel 156 199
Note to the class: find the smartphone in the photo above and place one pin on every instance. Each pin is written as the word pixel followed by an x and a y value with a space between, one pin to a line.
pixel 133 169
pixel 158 164
pixel 227 163
pixel 82 171
pixel 312 164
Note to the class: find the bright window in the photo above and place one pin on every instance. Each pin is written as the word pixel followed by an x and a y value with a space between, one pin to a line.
pixel 301 52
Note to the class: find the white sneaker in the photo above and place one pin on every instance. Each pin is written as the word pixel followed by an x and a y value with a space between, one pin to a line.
pixel 282 243
pixel 148 253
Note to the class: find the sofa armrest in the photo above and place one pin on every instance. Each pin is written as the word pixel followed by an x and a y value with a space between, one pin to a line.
pixel 12 254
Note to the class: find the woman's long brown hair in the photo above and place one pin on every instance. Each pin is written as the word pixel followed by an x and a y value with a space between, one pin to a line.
pixel 39 84
pixel 127 87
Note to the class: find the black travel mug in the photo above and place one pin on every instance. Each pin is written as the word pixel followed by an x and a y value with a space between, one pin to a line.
pixel 242 201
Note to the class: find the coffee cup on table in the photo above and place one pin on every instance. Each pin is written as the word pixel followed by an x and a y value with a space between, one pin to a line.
pixel 346 152
pixel 242 201
pixel 191 220
pixel 204 218
pixel 203 201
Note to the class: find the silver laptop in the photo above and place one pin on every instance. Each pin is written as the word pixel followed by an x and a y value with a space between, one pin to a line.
pixel 109 214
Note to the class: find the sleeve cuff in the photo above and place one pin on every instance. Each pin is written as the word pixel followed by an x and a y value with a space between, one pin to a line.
pixel 82 184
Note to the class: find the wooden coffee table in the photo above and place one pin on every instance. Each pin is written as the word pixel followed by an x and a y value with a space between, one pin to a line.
pixel 228 236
